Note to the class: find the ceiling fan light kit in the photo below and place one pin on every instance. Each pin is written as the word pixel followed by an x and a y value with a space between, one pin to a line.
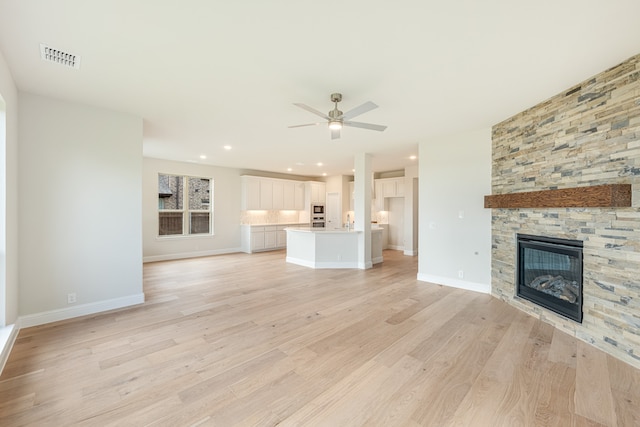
pixel 336 119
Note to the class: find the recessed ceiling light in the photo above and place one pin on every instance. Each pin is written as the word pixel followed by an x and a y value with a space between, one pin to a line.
pixel 319 164
pixel 413 157
pixel 289 169
pixel 202 156
pixel 227 147
pixel 324 174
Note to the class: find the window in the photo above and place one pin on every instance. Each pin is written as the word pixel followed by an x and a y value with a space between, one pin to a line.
pixel 184 205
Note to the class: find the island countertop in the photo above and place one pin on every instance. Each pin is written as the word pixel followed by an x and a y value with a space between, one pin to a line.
pixel 330 248
pixel 307 229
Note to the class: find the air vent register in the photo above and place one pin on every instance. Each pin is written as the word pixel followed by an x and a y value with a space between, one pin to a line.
pixel 58 56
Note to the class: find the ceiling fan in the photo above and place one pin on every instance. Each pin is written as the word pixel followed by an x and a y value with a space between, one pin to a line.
pixel 337 119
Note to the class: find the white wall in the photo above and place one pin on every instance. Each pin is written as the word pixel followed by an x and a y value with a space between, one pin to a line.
pixel 226 215
pixel 80 225
pixel 411 210
pixel 9 200
pixel 455 175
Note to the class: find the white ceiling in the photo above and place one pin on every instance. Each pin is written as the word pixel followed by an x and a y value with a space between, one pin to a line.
pixel 204 74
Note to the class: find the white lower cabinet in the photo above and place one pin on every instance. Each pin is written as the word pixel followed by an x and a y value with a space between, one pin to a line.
pixel 257 242
pixel 256 238
pixel 270 237
pixel 281 236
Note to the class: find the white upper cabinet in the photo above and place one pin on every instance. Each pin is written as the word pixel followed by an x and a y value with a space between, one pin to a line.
pixel 288 195
pixel 400 187
pixel 250 193
pixel 389 187
pixel 351 195
pixel 298 196
pixel 277 194
pixel 317 191
pixel 266 194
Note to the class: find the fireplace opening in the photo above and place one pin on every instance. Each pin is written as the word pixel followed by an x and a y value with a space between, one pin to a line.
pixel 549 273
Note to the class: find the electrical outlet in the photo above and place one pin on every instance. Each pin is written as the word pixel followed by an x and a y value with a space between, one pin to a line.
pixel 71 298
pixel 460 274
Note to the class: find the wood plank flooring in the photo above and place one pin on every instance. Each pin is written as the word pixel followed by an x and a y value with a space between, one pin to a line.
pixel 249 340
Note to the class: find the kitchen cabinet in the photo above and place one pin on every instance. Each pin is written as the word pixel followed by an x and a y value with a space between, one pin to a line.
pixel 298 196
pixel 385 188
pixel 270 237
pixel 378 202
pixel 389 187
pixel 288 195
pixel 385 235
pixel 266 195
pixel 260 193
pixel 277 196
pixel 318 192
pixel 258 238
pixel 250 193
pixel 314 192
pixel 400 187
pixel 329 248
pixel 351 196
pixel 281 236
pixel 256 235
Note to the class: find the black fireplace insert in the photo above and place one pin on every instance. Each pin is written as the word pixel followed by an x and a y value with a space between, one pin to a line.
pixel 549 273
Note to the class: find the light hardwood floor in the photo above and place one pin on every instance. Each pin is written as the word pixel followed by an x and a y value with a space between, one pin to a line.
pixel 250 340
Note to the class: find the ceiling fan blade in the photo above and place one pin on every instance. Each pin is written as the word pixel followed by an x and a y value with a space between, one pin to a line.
pixel 369 126
pixel 312 110
pixel 335 133
pixel 308 124
pixel 367 106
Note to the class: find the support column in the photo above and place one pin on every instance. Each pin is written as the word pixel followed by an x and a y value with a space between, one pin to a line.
pixel 362 208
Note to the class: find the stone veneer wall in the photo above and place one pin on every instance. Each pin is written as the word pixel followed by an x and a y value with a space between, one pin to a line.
pixel 588 135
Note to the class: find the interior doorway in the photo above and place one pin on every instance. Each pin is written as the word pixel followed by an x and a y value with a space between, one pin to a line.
pixel 334 210
pixel 396 223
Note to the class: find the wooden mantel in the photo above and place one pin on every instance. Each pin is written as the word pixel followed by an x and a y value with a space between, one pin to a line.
pixel 612 195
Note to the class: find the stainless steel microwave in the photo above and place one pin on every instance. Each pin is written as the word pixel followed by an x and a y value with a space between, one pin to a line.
pixel 317 208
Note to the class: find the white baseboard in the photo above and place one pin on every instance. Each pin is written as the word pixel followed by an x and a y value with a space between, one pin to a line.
pixel 455 283
pixel 409 252
pixel 185 255
pixel 8 336
pixel 302 262
pixel 312 264
pixel 364 265
pixel 79 310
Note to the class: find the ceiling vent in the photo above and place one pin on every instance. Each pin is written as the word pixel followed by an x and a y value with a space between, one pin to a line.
pixel 61 57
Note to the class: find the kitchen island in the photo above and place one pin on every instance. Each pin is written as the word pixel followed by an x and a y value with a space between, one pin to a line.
pixel 329 248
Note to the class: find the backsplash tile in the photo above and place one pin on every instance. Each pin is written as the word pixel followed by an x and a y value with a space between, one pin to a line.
pixel 269 217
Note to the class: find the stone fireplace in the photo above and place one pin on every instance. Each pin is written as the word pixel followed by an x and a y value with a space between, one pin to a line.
pixel 549 274
pixel 583 138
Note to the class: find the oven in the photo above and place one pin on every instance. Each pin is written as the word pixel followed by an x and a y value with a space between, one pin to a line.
pixel 317 215
pixel 317 209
